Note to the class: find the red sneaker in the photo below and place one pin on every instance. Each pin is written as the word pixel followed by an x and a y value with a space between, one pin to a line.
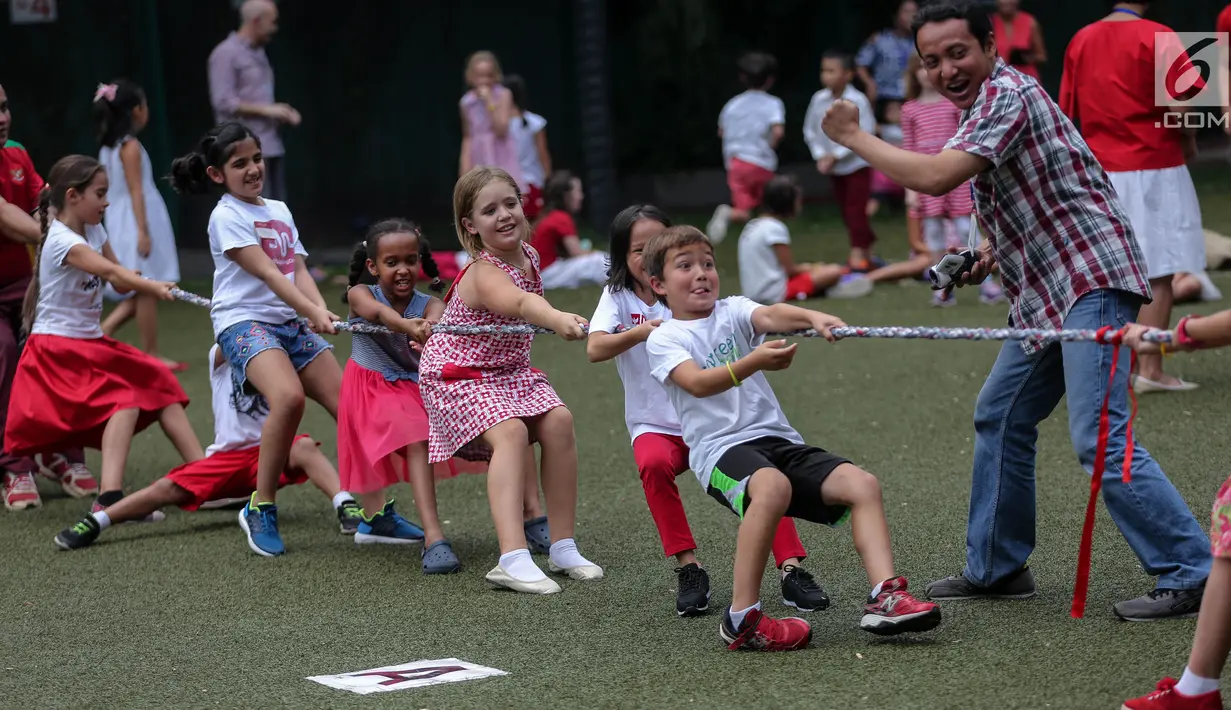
pixel 1166 697
pixel 765 633
pixel 20 491
pixel 895 611
pixel 74 478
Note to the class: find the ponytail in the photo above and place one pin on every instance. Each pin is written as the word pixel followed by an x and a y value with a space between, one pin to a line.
pixel 358 273
pixel 429 263
pixel 29 303
pixel 189 174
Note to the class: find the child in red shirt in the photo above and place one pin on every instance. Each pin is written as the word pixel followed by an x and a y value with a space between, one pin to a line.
pixel 20 185
pixel 564 261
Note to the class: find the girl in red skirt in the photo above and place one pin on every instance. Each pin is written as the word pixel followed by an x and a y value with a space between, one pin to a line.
pixel 480 389
pixel 74 386
pixel 382 425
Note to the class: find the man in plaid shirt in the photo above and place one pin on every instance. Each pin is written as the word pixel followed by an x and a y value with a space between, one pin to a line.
pixel 1068 259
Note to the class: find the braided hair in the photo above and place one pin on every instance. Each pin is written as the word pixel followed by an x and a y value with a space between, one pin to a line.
pixel 359 273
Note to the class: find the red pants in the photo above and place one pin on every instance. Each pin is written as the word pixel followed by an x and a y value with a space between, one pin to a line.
pixel 660 458
pixel 852 193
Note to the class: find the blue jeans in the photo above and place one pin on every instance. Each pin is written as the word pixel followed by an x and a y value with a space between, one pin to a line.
pixel 1021 391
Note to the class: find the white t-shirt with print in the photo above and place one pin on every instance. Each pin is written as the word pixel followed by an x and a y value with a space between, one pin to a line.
pixel 647 408
pixel 746 121
pixel 238 295
pixel 714 424
pixel 233 430
pixel 760 273
pixel 70 301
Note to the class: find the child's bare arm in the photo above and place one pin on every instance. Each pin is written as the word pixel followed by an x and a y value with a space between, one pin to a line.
pixel 784 318
pixel 364 305
pixel 305 283
pixel 434 310
pixel 787 260
pixel 1199 333
pixel 255 261
pixel 104 267
pixel 601 346
pixel 489 288
pixel 698 382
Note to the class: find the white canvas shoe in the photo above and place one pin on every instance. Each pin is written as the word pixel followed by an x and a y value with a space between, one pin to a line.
pixel 500 578
pixel 580 572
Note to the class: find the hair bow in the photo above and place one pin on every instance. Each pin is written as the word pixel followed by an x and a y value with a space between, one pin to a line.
pixel 105 91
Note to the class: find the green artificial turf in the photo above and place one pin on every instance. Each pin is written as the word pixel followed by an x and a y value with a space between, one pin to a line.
pixel 181 614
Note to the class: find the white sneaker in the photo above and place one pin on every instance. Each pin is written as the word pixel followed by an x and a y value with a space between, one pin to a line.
pixel 851 286
pixel 580 572
pixel 500 578
pixel 716 230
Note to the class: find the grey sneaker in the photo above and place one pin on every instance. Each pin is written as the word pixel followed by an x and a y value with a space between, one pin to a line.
pixel 1019 585
pixel 1161 604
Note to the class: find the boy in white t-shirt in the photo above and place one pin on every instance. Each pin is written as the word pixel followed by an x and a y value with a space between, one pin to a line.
pixel 768 273
pixel 626 315
pixel 750 125
pixel 227 471
pixel 710 357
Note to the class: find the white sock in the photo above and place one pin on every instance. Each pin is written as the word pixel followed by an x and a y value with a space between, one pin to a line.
pixel 564 553
pixel 1193 684
pixel 877 589
pixel 737 617
pixel 520 566
pixel 341 498
pixel 103 520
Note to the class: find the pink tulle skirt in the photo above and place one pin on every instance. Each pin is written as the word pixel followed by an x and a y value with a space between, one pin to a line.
pixel 379 424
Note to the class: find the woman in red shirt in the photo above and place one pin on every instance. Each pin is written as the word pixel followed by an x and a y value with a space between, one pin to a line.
pixel 1019 40
pixel 564 262
pixel 1108 89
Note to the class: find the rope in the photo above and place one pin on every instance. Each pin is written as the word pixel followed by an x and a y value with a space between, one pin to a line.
pixel 1104 336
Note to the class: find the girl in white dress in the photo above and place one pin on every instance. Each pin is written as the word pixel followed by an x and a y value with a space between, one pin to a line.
pixel 137 221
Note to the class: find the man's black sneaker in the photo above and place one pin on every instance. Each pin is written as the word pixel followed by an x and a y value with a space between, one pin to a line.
pixel 1019 585
pixel 83 534
pixel 800 590
pixel 693 596
pixel 349 517
pixel 1161 604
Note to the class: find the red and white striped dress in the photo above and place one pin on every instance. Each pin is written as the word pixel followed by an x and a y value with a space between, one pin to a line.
pixel 471 383
pixel 926 127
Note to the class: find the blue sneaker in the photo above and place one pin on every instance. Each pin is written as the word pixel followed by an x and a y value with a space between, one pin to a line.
pixel 260 524
pixel 389 528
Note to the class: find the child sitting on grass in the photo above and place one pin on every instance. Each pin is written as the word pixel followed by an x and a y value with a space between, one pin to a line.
pixel 767 269
pixel 710 358
pixel 1199 687
pixel 227 471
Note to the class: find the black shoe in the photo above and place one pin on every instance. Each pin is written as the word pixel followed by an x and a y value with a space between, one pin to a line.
pixel 349 517
pixel 83 534
pixel 1161 604
pixel 801 591
pixel 693 597
pixel 1019 585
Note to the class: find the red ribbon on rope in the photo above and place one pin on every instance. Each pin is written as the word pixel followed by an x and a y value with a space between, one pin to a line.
pixel 1082 583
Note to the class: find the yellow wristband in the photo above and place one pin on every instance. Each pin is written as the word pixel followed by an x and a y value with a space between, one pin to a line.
pixel 733 377
pixel 1162 349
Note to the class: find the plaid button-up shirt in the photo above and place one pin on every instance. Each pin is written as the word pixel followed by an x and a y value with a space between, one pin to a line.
pixel 1054 221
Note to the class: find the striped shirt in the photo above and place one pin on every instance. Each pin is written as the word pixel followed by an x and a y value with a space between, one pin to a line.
pixel 1055 225
pixel 390 355
pixel 926 127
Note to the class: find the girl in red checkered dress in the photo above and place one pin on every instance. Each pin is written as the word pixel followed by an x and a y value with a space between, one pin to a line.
pixel 480 391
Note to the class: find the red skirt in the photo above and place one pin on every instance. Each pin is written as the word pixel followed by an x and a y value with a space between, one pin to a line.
pixel 66 389
pixel 377 421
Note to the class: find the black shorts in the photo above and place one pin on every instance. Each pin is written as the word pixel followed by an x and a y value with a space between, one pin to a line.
pixel 806 467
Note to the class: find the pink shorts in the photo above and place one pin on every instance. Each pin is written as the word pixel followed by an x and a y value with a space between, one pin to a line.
pixel 747 183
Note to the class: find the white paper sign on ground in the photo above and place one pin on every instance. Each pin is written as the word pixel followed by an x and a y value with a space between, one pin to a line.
pixel 417 674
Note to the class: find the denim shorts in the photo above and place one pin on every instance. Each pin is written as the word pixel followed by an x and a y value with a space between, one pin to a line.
pixel 244 340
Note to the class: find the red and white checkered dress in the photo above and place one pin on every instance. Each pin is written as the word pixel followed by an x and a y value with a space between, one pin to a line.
pixel 471 383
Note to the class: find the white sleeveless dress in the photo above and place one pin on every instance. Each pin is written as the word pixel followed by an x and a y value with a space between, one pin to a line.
pixel 163 263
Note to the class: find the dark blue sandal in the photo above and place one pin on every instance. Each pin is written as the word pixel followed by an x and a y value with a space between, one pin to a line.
pixel 439 558
pixel 537 536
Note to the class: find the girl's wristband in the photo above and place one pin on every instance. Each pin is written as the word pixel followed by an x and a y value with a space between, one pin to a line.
pixel 1182 338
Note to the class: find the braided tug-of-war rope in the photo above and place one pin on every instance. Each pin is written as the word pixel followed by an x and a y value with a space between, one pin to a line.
pixel 1104 336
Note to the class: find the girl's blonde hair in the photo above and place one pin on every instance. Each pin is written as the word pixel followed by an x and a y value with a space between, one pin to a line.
pixel 72 172
pixel 483 56
pixel 913 88
pixel 465 192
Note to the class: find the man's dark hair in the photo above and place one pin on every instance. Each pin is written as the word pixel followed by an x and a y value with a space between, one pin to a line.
pixel 976 15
